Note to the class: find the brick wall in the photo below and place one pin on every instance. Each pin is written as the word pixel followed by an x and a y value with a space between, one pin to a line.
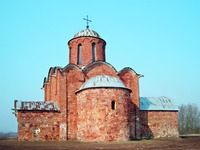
pixel 97 121
pixel 99 68
pixel 55 91
pixel 159 124
pixel 48 122
pixel 74 80
pixel 86 50
pixel 62 97
pixel 131 81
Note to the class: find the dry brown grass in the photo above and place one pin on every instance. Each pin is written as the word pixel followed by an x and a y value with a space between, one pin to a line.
pixel 190 143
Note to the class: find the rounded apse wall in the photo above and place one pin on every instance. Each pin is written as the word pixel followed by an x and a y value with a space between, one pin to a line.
pixel 103 114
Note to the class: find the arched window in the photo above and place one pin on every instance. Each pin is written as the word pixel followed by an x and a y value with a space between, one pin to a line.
pixel 104 48
pixel 93 52
pixel 70 51
pixel 79 61
pixel 113 105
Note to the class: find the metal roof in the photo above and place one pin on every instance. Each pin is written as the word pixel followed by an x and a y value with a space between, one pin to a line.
pixel 157 103
pixel 87 32
pixel 36 105
pixel 103 81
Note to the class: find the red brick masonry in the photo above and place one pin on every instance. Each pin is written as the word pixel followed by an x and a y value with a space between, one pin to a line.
pixel 93 114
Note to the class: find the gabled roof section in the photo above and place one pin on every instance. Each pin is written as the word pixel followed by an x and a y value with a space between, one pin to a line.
pixel 52 72
pixel 157 103
pixel 99 62
pixel 128 69
pixel 71 66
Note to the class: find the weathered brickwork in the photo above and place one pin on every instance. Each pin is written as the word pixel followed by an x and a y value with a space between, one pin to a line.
pixel 99 68
pixel 130 78
pixel 47 122
pixel 74 81
pixel 156 124
pixel 107 110
pixel 63 106
pixel 97 120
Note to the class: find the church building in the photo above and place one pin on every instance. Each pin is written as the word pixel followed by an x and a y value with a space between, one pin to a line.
pixel 89 100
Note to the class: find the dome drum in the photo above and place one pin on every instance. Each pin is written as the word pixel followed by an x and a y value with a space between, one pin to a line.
pixel 86 47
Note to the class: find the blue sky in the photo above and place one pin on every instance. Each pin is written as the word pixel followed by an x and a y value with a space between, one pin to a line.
pixel 159 39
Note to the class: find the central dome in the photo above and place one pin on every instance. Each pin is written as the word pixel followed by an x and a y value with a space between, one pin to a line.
pixel 87 32
pixel 103 81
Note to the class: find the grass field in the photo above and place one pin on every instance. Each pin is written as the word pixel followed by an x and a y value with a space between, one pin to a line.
pixel 188 143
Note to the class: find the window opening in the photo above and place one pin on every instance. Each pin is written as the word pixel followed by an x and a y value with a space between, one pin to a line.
pixel 113 105
pixel 79 54
pixel 104 56
pixel 93 52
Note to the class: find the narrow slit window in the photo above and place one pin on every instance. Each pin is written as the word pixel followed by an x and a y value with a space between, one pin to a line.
pixel 104 48
pixel 113 105
pixel 79 54
pixel 93 52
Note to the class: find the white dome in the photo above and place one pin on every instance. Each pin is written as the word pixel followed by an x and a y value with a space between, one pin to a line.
pixel 103 81
pixel 87 32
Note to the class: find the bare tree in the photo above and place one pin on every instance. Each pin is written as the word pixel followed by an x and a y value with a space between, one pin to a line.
pixel 189 119
pixel 181 119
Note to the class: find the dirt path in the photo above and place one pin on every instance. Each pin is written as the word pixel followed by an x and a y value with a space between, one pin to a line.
pixel 190 143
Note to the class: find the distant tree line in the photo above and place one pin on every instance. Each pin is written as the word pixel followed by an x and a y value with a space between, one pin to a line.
pixel 189 119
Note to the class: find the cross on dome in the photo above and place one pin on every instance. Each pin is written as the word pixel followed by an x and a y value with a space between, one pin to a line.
pixel 87 20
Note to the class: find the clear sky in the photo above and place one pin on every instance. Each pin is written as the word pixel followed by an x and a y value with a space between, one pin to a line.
pixel 157 38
